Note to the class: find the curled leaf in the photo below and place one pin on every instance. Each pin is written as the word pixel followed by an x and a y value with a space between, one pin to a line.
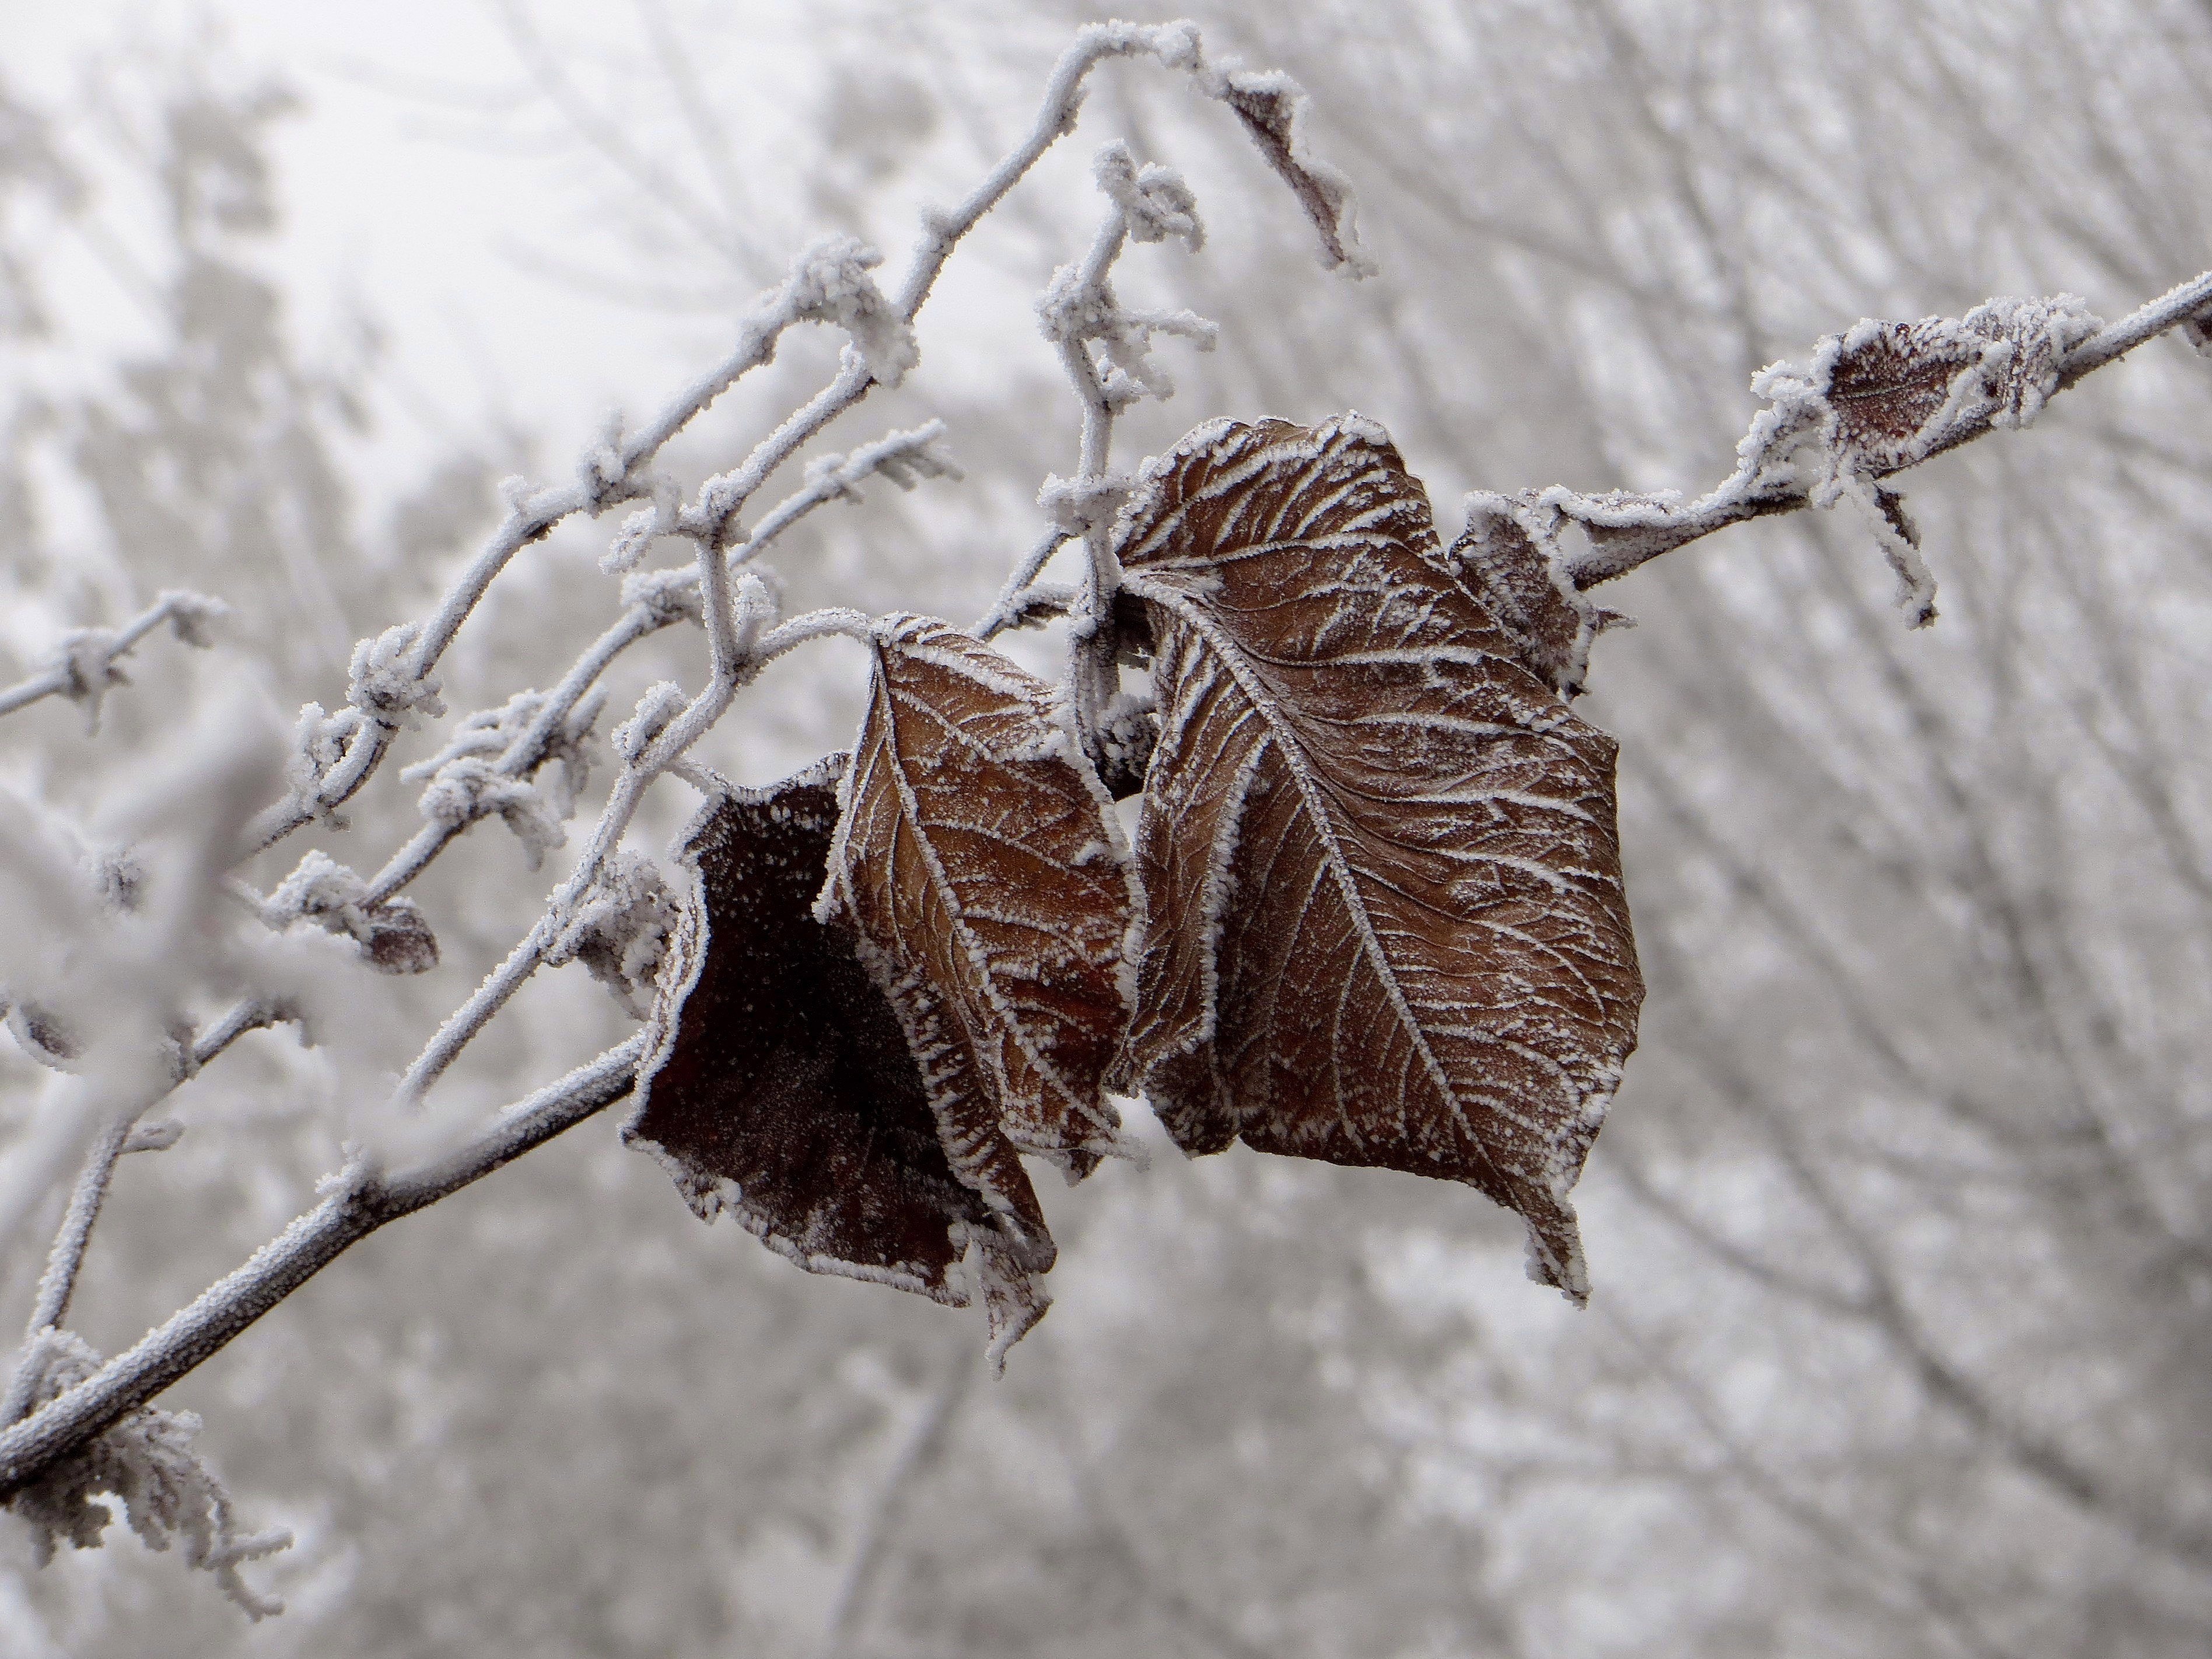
pixel 981 869
pixel 1271 105
pixel 1385 923
pixel 1514 572
pixel 779 1086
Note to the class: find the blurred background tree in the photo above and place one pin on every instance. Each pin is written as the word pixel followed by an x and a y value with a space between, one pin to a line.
pixel 1903 1279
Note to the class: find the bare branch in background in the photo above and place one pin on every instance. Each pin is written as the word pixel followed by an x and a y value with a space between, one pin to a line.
pixel 87 666
pixel 1376 916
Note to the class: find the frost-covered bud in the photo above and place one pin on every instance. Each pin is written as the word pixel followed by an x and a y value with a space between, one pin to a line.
pixel 393 934
pixel 87 659
pixel 1072 310
pixel 620 931
pixel 383 685
pixel 830 284
pixel 122 877
pixel 909 464
pixel 319 744
pixel 1080 505
pixel 666 596
pixel 570 744
pixel 1175 44
pixel 826 475
pixel 641 528
pixel 601 468
pixel 319 887
pixel 469 788
pixel 637 534
pixel 661 703
pixel 192 616
pixel 1154 202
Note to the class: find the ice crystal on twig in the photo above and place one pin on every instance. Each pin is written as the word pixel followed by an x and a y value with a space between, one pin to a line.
pixel 830 284
pixel 383 684
pixel 393 933
pixel 621 930
pixel 145 1460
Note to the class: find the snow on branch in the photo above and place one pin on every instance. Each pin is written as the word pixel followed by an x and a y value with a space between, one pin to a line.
pixel 1267 104
pixel 392 683
pixel 354 1204
pixel 394 936
pixel 829 282
pixel 144 1459
pixel 1868 404
pixel 88 664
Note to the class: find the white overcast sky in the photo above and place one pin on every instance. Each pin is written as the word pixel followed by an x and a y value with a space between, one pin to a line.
pixel 392 196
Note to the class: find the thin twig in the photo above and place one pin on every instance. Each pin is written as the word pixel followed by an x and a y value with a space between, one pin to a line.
pixel 922 1449
pixel 1092 671
pixel 666 605
pixel 1009 610
pixel 85 668
pixel 2182 303
pixel 66 1257
pixel 1632 540
pixel 58 1282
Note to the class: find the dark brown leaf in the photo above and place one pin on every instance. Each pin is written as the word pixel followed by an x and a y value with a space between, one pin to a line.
pixel 397 938
pixel 1386 923
pixel 779 1086
pixel 980 867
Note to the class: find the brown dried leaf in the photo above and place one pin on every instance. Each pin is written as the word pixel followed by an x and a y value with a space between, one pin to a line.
pixel 982 868
pixel 1514 576
pixel 779 1086
pixel 1269 104
pixel 396 937
pixel 1902 391
pixel 1386 923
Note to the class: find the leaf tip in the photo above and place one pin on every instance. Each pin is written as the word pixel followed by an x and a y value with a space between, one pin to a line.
pixel 1554 1257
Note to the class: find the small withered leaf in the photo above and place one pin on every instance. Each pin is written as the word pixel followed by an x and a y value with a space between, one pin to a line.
pixel 1902 391
pixel 1385 921
pixel 983 873
pixel 1270 106
pixel 1891 380
pixel 779 1086
pixel 396 939
pixel 1512 575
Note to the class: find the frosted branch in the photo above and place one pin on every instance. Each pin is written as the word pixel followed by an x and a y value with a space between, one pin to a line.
pixel 355 1205
pixel 391 681
pixel 1079 309
pixel 88 664
pixel 1017 605
pixel 66 1258
pixel 2187 307
pixel 829 282
pixel 1868 404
